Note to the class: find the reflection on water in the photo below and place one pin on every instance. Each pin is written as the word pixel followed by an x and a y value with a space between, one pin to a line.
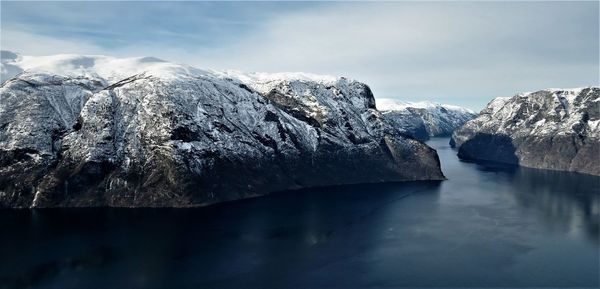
pixel 567 201
pixel 485 226
pixel 564 201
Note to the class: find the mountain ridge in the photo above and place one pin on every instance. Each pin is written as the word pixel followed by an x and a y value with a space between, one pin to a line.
pixel 425 119
pixel 556 129
pixel 155 140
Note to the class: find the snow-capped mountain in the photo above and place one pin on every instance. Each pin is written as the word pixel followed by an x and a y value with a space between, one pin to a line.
pixel 557 129
pixel 109 69
pixel 102 131
pixel 425 119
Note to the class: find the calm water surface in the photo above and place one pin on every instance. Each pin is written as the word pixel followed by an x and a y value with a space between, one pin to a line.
pixel 484 227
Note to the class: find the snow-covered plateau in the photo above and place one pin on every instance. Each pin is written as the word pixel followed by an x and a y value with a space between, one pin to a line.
pixel 556 129
pixel 101 131
pixel 422 120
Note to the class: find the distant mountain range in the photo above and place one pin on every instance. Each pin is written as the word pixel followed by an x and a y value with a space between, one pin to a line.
pixel 422 120
pixel 92 130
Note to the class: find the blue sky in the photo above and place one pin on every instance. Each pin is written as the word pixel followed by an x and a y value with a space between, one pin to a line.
pixel 461 53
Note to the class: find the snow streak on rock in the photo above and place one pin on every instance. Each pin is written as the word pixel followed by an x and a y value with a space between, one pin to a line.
pixel 556 129
pixel 100 131
pixel 422 120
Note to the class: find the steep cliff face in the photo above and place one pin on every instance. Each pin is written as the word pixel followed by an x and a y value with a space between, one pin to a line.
pixel 173 135
pixel 423 120
pixel 557 129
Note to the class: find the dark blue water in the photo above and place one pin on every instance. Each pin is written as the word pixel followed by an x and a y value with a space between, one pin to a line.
pixel 485 226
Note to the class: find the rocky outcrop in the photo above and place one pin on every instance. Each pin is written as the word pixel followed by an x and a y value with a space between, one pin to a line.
pixel 181 137
pixel 423 120
pixel 556 129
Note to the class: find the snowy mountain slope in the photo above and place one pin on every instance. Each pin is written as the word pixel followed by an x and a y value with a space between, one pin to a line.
pixel 423 120
pixel 556 129
pixel 111 69
pixel 178 136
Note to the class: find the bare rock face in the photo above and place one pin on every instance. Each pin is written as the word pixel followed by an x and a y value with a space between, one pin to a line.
pixel 548 129
pixel 187 139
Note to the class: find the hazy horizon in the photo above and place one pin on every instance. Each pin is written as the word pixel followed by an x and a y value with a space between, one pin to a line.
pixel 460 53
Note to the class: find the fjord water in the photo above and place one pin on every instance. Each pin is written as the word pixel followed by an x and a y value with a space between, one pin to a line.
pixel 486 226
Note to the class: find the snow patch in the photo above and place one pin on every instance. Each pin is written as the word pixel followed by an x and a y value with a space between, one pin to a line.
pixel 115 69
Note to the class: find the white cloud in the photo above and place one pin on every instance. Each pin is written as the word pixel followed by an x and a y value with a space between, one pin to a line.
pixel 458 53
pixel 462 53
pixel 33 44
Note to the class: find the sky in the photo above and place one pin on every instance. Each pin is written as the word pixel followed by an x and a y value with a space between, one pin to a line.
pixel 462 53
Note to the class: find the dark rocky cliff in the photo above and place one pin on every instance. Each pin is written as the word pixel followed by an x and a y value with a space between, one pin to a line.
pixel 547 129
pixel 161 139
